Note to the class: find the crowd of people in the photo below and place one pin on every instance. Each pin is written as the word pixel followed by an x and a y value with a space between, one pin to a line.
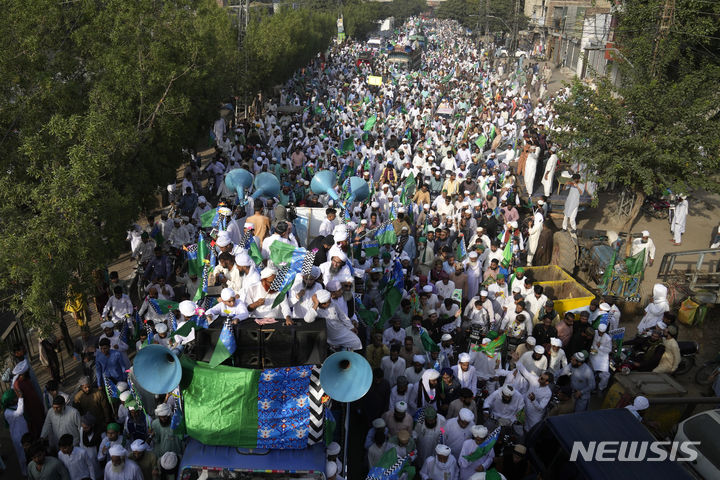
pixel 473 353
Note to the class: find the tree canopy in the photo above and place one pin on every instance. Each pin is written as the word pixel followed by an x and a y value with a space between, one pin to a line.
pixel 660 128
pixel 472 14
pixel 97 100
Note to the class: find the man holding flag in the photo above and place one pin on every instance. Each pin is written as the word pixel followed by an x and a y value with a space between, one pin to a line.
pixel 477 454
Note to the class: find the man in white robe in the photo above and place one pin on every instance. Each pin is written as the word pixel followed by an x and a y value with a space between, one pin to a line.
pixel 441 466
pixel 679 220
pixel 340 329
pixel 469 467
pixel 549 173
pixel 457 430
pixel 572 203
pixel 600 355
pixel 120 467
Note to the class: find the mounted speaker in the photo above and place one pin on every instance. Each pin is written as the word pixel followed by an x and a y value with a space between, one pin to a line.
pixel 346 376
pixel 324 182
pixel 239 180
pixel 266 185
pixel 359 190
pixel 157 369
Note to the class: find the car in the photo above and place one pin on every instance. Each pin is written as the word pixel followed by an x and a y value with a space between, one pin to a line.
pixel 704 428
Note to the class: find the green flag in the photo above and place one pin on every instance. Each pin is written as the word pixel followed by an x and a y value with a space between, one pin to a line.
pixel 166 305
pixel 492 132
pixel 348 145
pixel 390 306
pixel 281 252
pixel 608 271
pixel 408 189
pixel 207 218
pixel 492 346
pixel 636 263
pixel 428 344
pixel 254 252
pixel 185 330
pixel 461 251
pixel 221 404
pixel 507 251
pixel 369 123
pixel 481 141
pixel 484 448
pixel 196 260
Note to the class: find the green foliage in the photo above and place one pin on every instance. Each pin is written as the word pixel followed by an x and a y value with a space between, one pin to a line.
pixel 279 44
pixel 660 129
pixel 97 100
pixel 461 11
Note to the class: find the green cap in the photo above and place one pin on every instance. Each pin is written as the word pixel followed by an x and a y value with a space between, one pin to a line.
pixel 430 412
pixel 114 427
pixel 520 270
pixel 501 276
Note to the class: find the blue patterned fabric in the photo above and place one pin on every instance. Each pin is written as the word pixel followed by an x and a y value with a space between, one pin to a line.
pixel 284 407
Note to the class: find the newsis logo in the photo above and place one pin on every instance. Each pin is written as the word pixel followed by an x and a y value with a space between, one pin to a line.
pixel 617 451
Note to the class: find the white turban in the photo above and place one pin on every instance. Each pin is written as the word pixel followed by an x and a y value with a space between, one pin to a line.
pixel 442 450
pixel 227 293
pixel 125 395
pixel 242 259
pixel 401 407
pixel 378 423
pixel 641 403
pixel 478 431
pixel 531 341
pixel 107 325
pixel 466 415
pixel 161 328
pixel 267 272
pixel 507 390
pixel 333 286
pixel 322 296
pixel 464 358
pixel 539 349
pixel 555 342
pixel 331 469
pixel 122 386
pixel 117 451
pixel 169 460
pixel 336 251
pixel 163 410
pixel 138 446
pixel 223 239
pixel 21 368
pixel 333 448
pixel 187 308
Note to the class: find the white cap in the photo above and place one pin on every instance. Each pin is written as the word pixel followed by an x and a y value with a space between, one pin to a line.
pixel 603 327
pixel 333 286
pixel 539 349
pixel 138 446
pixel 485 341
pixel 322 296
pixel 161 328
pixel 555 342
pixel 169 460
pixel 478 431
pixel 333 448
pixel 223 239
pixel 378 423
pixel 442 450
pixel 641 403
pixel 331 469
pixel 242 259
pixel 645 233
pixel 227 293
pixel 541 202
pixel 427 288
pixel 122 386
pixel 267 272
pixel 336 251
pixel 473 254
pixel 466 415
pixel 249 226
pixel 163 410
pixel 340 236
pixel 125 395
pixel 514 224
pixel 463 358
pixel 187 308
pixel 446 337
pixel 508 390
pixel 401 407
pixel 117 451
pixel 531 341
pixel 105 325
pixel 604 307
pixel 418 359
pixel 21 368
pixel 483 293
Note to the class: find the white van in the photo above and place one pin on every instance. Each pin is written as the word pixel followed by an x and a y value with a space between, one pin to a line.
pixel 375 43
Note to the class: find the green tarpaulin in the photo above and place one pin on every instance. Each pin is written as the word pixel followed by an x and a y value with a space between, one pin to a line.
pixel 221 404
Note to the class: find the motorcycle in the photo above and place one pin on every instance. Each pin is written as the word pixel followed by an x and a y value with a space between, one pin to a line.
pixel 624 362
pixel 656 207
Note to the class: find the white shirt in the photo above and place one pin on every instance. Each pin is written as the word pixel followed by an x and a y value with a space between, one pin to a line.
pixel 254 293
pixel 498 409
pixel 79 463
pixel 434 470
pixel 392 370
pixel 130 471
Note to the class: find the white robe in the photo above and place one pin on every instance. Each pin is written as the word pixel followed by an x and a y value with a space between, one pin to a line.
pixel 680 217
pixel 130 471
pixel 426 439
pixel 467 379
pixel 338 326
pixel 600 352
pixel 18 427
pixel 467 468
pixel 535 409
pixel 455 436
pixel 549 174
pixel 434 470
pixel 530 168
pixel 534 232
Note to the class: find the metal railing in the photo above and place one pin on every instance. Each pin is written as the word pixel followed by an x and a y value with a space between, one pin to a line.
pixel 696 269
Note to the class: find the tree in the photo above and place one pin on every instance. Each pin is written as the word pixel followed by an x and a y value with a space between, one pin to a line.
pixel 473 14
pixel 97 100
pixel 659 130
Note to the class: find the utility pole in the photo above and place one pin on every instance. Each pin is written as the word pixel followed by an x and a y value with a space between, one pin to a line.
pixel 487 19
pixel 665 22
pixel 516 13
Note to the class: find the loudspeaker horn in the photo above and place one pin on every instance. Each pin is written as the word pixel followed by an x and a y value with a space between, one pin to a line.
pixel 239 180
pixel 266 185
pixel 346 376
pixel 324 181
pixel 359 190
pixel 157 369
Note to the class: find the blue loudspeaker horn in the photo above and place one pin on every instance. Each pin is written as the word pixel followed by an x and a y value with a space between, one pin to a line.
pixel 346 376
pixel 359 190
pixel 324 181
pixel 239 180
pixel 266 185
pixel 157 369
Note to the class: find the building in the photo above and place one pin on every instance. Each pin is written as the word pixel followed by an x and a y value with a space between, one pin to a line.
pixel 578 36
